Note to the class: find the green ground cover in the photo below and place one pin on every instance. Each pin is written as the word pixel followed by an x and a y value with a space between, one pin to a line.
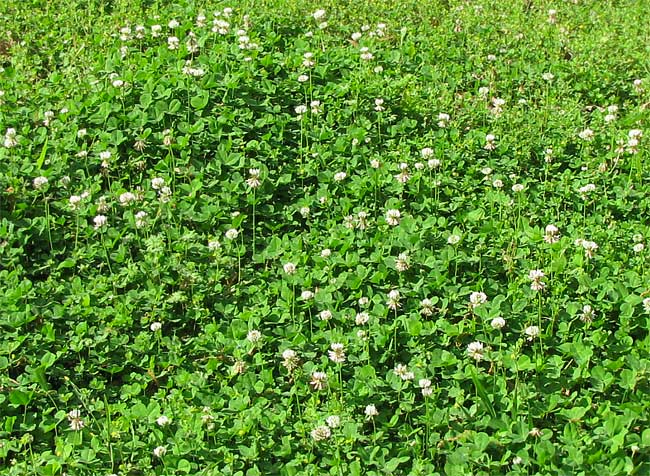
pixel 300 238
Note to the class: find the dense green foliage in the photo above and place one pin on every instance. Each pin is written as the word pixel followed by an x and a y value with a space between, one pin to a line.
pixel 294 238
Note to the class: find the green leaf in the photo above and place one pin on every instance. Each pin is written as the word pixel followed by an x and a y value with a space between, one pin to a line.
pixel 184 466
pixel 480 390
pixel 18 397
pixel 200 100
pixel 174 106
pixel 645 437
pixel 41 158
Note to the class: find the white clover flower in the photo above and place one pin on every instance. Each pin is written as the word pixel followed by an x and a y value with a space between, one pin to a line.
pixel 402 262
pixel 173 23
pixel 426 307
pixel 232 234
pixel 172 43
pixel 536 275
pixel 337 353
pixel 290 359
pixel 518 187
pixel 371 411
pixel 453 239
pixel 102 205
pixel 477 298
pixel 126 198
pixel 76 422
pixel 140 219
pixel 318 380
pixel 393 217
pixel 443 120
pixel 10 138
pixel 475 350
pixel 498 323
pixel 189 70
pixel 363 301
pixel 356 36
pixel 379 105
pixel 587 314
pixel 425 385
pixel 288 354
pixel 586 134
pixel 584 191
pixel 39 182
pixel 74 201
pixel 214 246
pixel 490 142
pixel 532 332
pixel 548 76
pixel 326 253
pixel 301 109
pixel 552 18
pixel 366 55
pixel 303 78
pixel 333 421
pixel 155 326
pixel 375 164
pixel 253 336
pixel 163 420
pixel 319 14
pixel 551 234
pixel 548 155
pixel 590 248
pixel 362 220
pixel 426 152
pixel 393 299
pixel 289 268
pixel 253 180
pixel 304 211
pixel 340 176
pixel 497 183
pixel 404 175
pixel 325 315
pixel 361 318
pixel 321 433
pixel 403 372
pixel 159 451
pixel 315 107
pixel 497 105
pixel 635 134
pixel 306 295
pixel 100 221
pixel 239 367
pixel 638 247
